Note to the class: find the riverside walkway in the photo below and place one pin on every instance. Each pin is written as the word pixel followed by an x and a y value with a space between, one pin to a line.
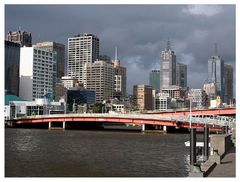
pixel 227 168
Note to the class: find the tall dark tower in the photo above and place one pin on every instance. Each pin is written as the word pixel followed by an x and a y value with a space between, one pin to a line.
pixel 167 67
pixel 216 72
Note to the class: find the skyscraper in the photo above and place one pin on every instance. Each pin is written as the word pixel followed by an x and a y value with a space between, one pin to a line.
pixel 36 73
pixel 22 37
pixel 216 74
pixel 228 75
pixel 12 62
pixel 60 55
pixel 168 67
pixel 120 78
pixel 82 48
pixel 154 79
pixel 99 76
pixel 181 75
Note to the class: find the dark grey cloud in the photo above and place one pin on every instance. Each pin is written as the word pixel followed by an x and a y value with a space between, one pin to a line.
pixel 139 31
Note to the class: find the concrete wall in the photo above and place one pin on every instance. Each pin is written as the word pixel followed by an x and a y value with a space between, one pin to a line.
pixel 222 143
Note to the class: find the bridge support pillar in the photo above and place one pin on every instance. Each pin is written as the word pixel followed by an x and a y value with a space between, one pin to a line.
pixel 143 127
pixel 165 129
pixel 193 147
pixel 64 125
pixel 206 143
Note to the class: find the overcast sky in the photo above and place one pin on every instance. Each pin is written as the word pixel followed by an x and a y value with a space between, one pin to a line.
pixel 139 31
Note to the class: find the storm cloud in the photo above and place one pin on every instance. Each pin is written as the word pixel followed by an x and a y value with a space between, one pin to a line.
pixel 139 31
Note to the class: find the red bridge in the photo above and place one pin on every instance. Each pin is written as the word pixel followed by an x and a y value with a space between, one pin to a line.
pixel 204 112
pixel 177 120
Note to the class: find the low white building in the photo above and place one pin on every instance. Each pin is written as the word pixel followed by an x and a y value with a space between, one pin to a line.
pixel 6 112
pixel 37 107
pixel 118 108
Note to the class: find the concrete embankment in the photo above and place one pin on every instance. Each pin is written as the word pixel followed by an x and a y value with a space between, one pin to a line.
pixel 221 162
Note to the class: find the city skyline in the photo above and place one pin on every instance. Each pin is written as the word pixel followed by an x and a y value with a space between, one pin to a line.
pixel 140 37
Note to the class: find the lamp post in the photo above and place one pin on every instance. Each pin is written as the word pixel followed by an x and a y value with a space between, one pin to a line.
pixel 192 135
pixel 190 111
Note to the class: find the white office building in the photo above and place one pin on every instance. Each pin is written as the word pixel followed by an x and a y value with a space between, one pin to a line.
pixel 82 48
pixel 162 102
pixel 37 73
pixel 199 97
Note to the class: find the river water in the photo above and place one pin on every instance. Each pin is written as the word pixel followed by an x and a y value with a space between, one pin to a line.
pixel 81 153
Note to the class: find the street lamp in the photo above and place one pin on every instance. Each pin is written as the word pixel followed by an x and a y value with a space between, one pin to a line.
pixel 190 119
pixel 192 135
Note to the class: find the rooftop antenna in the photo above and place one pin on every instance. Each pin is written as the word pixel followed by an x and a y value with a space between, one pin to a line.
pixel 168 44
pixel 215 49
pixel 116 58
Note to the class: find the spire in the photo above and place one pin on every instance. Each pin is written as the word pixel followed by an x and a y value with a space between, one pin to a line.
pixel 116 58
pixel 168 44
pixel 215 49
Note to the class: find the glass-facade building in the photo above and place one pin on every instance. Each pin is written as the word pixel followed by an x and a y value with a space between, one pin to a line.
pixel 216 74
pixel 12 62
pixel 79 96
pixel 181 75
pixel 228 75
pixel 154 79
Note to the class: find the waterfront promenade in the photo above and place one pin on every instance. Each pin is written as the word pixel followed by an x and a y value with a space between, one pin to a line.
pixel 227 168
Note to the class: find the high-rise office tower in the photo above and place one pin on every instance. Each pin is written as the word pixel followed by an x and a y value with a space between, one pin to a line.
pixel 228 75
pixel 216 74
pixel 60 55
pixel 154 79
pixel 181 75
pixel 168 67
pixel 12 62
pixel 37 72
pixel 99 76
pixel 143 97
pixel 120 78
pixel 22 37
pixel 82 48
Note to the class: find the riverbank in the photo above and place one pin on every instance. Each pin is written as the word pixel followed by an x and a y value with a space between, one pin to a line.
pixel 227 168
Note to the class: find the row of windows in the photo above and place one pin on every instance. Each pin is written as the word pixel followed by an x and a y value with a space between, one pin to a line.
pixel 42 52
